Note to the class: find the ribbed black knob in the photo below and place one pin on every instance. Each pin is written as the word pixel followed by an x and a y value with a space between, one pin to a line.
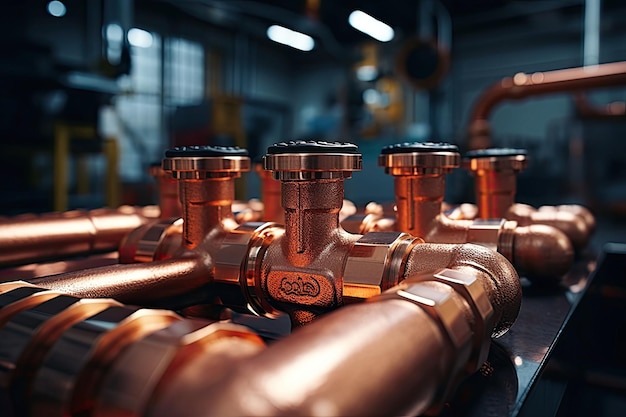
pixel 411 147
pixel 204 151
pixel 312 146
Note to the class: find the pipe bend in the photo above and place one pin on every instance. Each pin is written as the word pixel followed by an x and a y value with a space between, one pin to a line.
pixel 498 277
pixel 542 252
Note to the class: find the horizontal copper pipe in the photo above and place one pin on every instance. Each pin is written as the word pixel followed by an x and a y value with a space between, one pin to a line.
pixel 141 284
pixel 526 85
pixel 58 235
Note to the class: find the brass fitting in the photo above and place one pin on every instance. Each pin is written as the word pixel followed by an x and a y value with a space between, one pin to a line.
pixel 270 195
pixel 419 171
pixel 495 171
pixel 35 238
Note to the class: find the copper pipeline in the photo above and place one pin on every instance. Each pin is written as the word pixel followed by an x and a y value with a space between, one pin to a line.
pixel 307 373
pixel 58 235
pixel 522 85
pixel 68 356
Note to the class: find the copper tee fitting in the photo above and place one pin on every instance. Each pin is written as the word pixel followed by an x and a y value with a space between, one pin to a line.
pixel 419 171
pixel 49 236
pixel 495 171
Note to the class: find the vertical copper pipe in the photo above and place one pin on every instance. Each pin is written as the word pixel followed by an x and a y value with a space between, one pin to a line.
pixel 311 218
pixel 271 196
pixel 206 204
pixel 495 171
pixel 418 199
pixel 169 203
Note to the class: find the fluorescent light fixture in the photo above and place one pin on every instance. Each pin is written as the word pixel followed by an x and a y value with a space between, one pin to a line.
pixel 56 8
pixel 370 26
pixel 140 38
pixel 290 38
pixel 367 73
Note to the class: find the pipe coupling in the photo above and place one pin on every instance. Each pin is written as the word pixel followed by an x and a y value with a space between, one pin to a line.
pixel 237 262
pixel 445 307
pixel 376 263
pixel 152 242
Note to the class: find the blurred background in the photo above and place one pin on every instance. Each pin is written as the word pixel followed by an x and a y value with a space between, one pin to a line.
pixel 93 92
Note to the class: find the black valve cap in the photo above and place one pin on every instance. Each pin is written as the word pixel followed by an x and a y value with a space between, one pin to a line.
pixel 312 146
pixel 204 151
pixel 411 147
pixel 495 152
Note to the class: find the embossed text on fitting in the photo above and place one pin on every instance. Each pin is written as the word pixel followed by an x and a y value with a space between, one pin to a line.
pixel 301 286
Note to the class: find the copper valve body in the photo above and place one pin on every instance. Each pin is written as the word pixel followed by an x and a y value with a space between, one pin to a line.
pixel 419 171
pixel 495 171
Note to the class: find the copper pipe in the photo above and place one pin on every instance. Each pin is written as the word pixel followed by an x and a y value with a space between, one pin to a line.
pixel 615 111
pixel 169 203
pixel 308 372
pixel 60 235
pixel 419 176
pixel 62 355
pixel 143 284
pixel 495 171
pixel 271 196
pixel 522 85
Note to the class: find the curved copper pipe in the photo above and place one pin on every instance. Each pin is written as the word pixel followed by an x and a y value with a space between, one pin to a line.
pixel 58 235
pixel 522 85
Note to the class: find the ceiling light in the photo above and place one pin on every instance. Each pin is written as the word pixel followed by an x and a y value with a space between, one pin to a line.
pixel 140 38
pixel 367 73
pixel 56 8
pixel 290 38
pixel 370 26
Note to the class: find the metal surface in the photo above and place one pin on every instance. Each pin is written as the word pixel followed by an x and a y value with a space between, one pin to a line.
pixel 61 235
pixel 419 185
pixel 522 85
pixel 495 171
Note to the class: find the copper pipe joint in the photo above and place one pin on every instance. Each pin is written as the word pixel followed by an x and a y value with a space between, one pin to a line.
pixel 419 176
pixel 495 171
pixel 206 188
pixel 61 235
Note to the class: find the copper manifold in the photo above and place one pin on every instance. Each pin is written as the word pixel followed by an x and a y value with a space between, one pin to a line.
pixel 419 171
pixel 495 171
pixel 99 358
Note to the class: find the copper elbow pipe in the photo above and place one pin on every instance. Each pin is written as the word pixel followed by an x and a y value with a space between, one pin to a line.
pixel 307 373
pixel 495 171
pixel 58 235
pixel 522 85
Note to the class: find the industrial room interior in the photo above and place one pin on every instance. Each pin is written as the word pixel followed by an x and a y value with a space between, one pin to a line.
pixel 313 207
